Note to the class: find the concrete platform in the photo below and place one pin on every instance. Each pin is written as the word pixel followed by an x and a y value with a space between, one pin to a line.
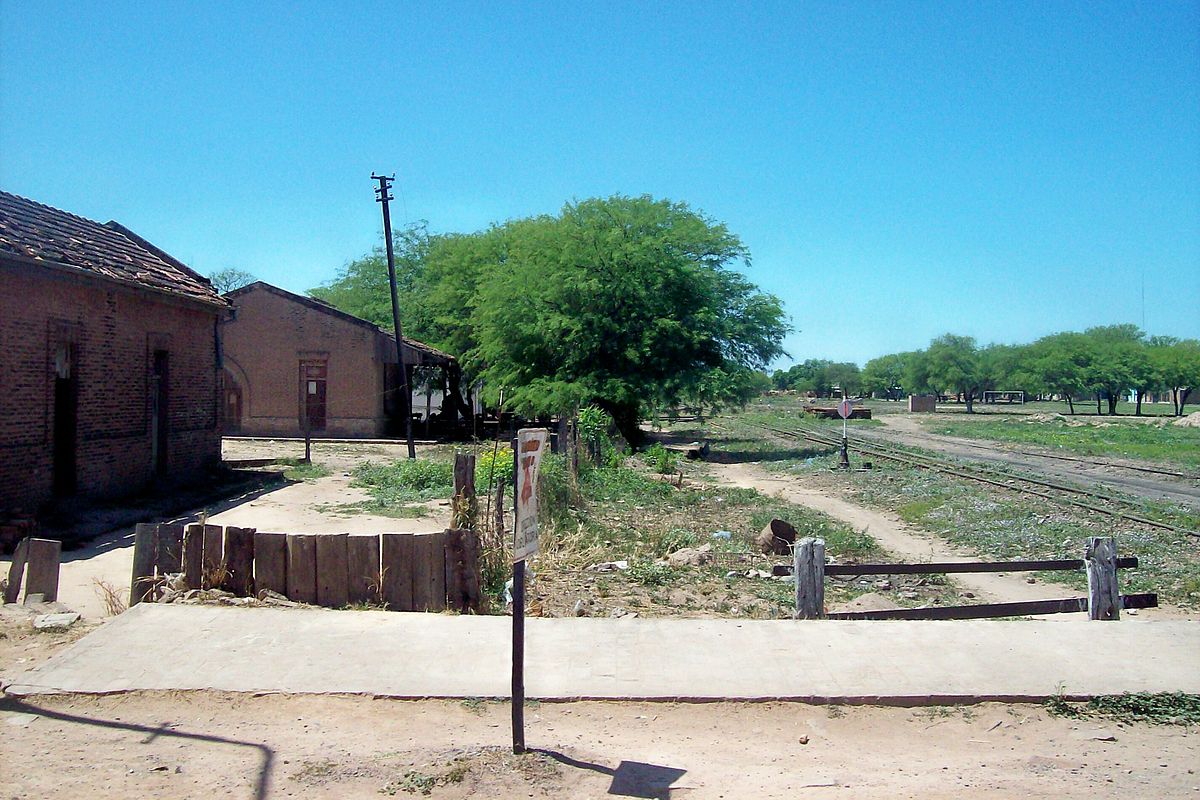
pixel 163 647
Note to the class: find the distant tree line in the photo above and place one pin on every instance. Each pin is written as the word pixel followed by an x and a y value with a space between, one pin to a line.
pixel 628 303
pixel 1102 364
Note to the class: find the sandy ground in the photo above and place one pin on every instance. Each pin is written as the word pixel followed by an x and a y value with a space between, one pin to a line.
pixel 302 507
pixel 189 745
pixel 908 430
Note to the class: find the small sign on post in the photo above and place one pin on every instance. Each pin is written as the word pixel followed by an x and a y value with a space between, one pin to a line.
pixel 844 409
pixel 531 444
pixel 528 448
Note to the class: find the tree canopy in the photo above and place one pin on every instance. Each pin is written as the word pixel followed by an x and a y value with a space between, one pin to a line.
pixel 623 302
pixel 230 278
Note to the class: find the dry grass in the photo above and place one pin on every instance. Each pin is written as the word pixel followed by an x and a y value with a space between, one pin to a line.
pixel 114 599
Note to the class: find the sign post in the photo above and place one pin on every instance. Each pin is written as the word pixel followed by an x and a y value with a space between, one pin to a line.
pixel 844 409
pixel 528 448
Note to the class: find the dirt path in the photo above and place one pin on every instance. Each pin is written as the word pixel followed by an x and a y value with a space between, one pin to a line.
pixel 903 541
pixel 909 431
pixel 202 744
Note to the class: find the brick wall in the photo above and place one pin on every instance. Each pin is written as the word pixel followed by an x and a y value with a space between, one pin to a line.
pixel 113 333
pixel 266 341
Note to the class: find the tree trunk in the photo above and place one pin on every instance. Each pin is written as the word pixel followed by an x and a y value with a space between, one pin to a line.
pixel 969 398
pixel 1138 411
pixel 1071 405
pixel 625 416
pixel 1098 411
pixel 1112 398
pixel 1183 396
pixel 460 406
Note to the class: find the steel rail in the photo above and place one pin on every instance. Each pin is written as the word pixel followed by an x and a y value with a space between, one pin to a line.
pixel 882 451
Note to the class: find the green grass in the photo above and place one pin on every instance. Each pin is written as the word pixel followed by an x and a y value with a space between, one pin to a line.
pixel 1148 441
pixel 1162 708
pixel 298 470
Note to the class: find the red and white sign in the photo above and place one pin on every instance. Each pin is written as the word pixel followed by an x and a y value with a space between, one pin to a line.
pixel 531 444
pixel 844 409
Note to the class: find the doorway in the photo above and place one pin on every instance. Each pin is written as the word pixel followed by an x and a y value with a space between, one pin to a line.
pixel 66 413
pixel 160 417
pixel 312 390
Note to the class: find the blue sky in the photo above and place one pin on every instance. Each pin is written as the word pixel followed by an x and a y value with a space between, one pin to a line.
pixel 898 170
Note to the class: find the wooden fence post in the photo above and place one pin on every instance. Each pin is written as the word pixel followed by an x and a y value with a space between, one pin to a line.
pixel 396 570
pixel 333 569
pixel 145 552
pixel 238 561
pixel 270 562
pixel 193 555
pixel 364 569
pixel 464 507
pixel 302 567
pixel 1104 596
pixel 16 571
pixel 809 572
pixel 42 573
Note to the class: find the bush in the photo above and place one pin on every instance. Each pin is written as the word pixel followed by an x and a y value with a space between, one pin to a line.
pixel 662 460
pixel 406 481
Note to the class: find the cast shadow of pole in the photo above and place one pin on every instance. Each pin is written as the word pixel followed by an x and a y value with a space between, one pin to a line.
pixel 261 786
pixel 630 778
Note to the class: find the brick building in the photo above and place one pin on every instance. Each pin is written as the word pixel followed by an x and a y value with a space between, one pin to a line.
pixel 109 360
pixel 288 356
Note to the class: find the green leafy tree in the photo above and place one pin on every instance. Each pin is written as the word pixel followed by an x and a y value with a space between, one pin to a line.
pixel 361 287
pixel 1120 362
pixel 953 363
pixel 620 302
pixel 884 376
pixel 1060 364
pixel 1178 367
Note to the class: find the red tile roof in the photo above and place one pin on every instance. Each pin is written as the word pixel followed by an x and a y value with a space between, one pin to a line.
pixel 38 232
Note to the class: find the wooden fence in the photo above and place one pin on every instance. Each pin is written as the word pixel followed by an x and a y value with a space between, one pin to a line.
pixel 1104 600
pixel 403 571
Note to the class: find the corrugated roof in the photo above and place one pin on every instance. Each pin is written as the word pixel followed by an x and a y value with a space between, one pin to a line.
pixel 40 232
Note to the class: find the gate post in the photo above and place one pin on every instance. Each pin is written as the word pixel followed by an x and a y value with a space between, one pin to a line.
pixel 809 571
pixel 1104 596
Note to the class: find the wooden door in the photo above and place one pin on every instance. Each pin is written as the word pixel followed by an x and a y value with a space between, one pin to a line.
pixel 312 390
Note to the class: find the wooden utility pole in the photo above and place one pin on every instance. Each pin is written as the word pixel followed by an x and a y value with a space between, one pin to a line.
pixel 383 195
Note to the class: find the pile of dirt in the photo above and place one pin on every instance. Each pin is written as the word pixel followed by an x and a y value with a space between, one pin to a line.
pixel 1192 420
pixel 1041 417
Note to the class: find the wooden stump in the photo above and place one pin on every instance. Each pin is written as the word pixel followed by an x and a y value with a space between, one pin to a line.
pixel 363 560
pixel 211 576
pixel 145 551
pixel 193 555
pixel 809 571
pixel 16 571
pixel 170 549
pixel 1104 595
pixel 777 538
pixel 465 505
pixel 270 562
pixel 42 572
pixel 332 570
pixel 397 555
pixel 463 577
pixel 238 562
pixel 302 567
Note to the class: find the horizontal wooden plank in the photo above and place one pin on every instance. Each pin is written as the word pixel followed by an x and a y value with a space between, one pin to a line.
pixel 948 567
pixel 985 610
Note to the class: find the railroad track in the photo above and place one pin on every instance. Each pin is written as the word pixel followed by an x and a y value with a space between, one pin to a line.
pixel 1089 461
pixel 1017 483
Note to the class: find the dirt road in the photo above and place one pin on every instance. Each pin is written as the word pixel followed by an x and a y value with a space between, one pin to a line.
pixel 907 430
pixel 198 745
